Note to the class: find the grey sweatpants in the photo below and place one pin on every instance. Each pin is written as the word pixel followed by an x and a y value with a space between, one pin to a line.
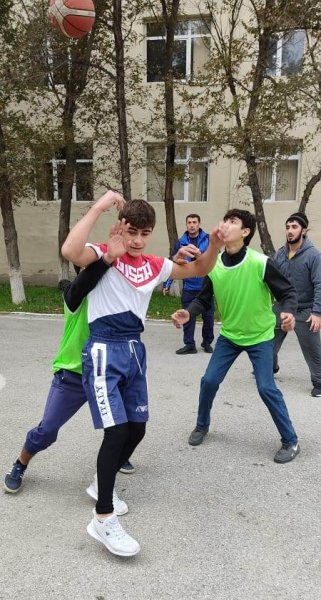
pixel 309 341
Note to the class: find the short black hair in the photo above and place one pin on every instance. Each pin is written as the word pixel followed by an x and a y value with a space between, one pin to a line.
pixel 139 214
pixel 193 216
pixel 248 221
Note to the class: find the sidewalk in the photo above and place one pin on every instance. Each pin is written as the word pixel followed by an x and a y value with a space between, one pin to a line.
pixel 221 521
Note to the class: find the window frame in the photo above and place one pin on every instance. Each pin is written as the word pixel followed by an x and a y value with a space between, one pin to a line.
pixel 280 39
pixel 278 159
pixel 53 80
pixel 180 161
pixel 54 163
pixel 187 37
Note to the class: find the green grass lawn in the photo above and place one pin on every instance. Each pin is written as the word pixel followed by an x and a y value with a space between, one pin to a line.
pixel 43 299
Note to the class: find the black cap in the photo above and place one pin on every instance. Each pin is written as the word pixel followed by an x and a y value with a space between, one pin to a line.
pixel 300 217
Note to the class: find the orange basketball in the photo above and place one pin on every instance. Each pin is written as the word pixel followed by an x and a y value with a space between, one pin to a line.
pixel 73 18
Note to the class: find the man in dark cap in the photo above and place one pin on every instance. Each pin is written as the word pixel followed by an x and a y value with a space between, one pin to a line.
pixel 300 262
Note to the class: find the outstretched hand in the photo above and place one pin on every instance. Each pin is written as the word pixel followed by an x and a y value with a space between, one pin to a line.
pixel 180 317
pixel 185 252
pixel 116 246
pixel 218 235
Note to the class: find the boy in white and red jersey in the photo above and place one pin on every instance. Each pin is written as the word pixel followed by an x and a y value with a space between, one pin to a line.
pixel 114 363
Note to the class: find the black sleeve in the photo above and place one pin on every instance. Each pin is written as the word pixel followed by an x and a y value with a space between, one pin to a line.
pixel 281 288
pixel 84 283
pixel 203 300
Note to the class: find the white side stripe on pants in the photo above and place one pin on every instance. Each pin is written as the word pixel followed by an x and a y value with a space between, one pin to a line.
pixel 99 358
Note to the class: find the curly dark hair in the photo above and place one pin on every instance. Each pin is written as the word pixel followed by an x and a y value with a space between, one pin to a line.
pixel 248 221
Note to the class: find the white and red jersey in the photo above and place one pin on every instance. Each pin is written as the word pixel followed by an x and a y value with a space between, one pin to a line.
pixel 117 306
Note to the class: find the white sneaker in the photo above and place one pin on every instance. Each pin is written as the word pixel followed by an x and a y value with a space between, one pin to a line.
pixel 110 533
pixel 120 506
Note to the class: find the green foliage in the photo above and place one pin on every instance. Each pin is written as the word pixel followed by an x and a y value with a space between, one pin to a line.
pixel 44 299
pixel 40 299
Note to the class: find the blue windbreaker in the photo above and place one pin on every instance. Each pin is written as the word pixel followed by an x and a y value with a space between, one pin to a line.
pixel 192 284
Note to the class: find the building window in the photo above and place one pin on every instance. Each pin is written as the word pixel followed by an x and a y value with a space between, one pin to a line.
pixel 286 53
pixel 191 49
pixel 278 180
pixel 191 174
pixel 57 61
pixel 50 173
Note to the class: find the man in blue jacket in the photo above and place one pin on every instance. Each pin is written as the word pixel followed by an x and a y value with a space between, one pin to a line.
pixel 300 262
pixel 192 286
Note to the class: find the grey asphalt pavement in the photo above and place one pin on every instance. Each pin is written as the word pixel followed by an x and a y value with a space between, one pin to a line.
pixel 220 522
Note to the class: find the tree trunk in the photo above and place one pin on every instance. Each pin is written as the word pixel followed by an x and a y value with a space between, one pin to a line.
pixel 68 180
pixel 170 22
pixel 65 209
pixel 266 241
pixel 121 99
pixel 169 204
pixel 308 190
pixel 249 126
pixel 10 232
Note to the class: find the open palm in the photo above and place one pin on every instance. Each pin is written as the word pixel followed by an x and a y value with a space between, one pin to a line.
pixel 116 242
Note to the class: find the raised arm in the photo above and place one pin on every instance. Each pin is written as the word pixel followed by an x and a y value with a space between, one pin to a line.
pixel 89 277
pixel 74 247
pixel 206 261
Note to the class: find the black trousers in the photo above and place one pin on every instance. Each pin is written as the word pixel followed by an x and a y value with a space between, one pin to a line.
pixel 117 446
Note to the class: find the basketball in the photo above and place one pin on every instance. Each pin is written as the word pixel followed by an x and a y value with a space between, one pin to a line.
pixel 73 18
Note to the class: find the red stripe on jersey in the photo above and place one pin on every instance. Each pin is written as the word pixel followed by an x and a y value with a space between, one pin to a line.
pixel 103 247
pixel 139 270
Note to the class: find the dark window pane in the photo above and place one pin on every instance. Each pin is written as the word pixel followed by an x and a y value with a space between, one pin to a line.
pixel 181 28
pixel 49 182
pixel 292 52
pixel 155 29
pixel 84 151
pixel 44 182
pixel 84 181
pixel 55 59
pixel 179 60
pixel 60 154
pixel 199 152
pixel 272 54
pixel 60 173
pixel 155 60
pixel 200 27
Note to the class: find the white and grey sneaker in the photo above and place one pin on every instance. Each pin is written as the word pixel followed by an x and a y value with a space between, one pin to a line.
pixel 120 506
pixel 110 533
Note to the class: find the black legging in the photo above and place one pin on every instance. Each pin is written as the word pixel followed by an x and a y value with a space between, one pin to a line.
pixel 117 446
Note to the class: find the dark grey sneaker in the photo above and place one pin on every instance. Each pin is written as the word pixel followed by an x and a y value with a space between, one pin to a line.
pixel 13 479
pixel 286 453
pixel 127 468
pixel 316 392
pixel 207 347
pixel 197 436
pixel 187 350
